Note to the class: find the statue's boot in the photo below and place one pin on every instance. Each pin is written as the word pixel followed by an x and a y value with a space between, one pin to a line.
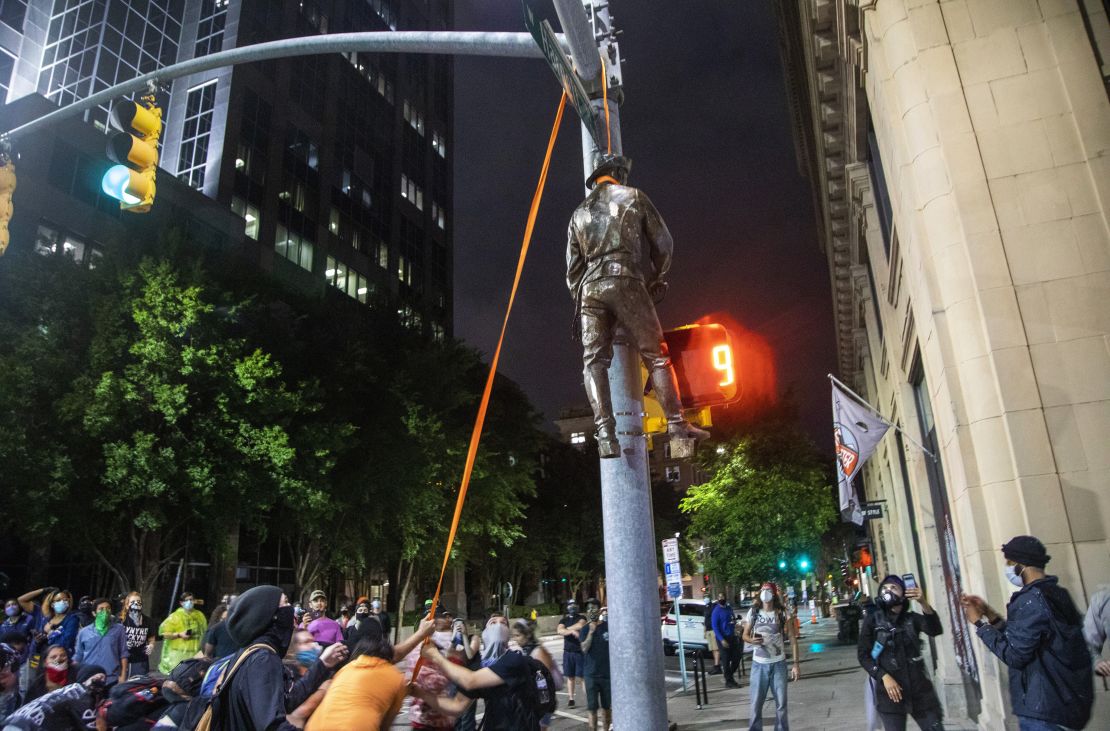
pixel 596 378
pixel 665 383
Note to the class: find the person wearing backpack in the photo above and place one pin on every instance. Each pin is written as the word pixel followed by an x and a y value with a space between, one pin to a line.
pixel 889 650
pixel 766 629
pixel 1040 641
pixel 255 690
pixel 523 634
pixel 518 690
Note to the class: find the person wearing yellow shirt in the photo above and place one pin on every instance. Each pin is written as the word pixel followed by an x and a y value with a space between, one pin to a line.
pixel 181 633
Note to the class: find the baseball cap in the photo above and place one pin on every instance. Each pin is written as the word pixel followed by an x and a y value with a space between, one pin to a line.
pixel 318 594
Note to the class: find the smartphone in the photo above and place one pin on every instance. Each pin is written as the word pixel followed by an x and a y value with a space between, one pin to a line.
pixel 911 583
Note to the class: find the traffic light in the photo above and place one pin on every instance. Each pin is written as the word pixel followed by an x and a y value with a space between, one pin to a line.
pixel 803 563
pixel 7 187
pixel 135 148
pixel 782 564
pixel 703 362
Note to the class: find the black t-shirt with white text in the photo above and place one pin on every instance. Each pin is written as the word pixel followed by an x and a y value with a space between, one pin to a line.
pixel 138 635
pixel 572 642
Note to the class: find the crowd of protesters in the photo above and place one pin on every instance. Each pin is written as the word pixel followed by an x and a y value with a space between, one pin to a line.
pixel 260 662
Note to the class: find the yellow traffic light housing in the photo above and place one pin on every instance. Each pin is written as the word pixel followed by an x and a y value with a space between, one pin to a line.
pixel 704 364
pixel 131 182
pixel 7 187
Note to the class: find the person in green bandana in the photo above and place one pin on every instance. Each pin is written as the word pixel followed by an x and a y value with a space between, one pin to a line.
pixel 182 633
pixel 103 643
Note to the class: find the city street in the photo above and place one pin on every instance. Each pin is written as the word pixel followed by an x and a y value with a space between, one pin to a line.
pixel 829 696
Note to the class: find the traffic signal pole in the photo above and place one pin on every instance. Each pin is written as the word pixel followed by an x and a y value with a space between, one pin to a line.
pixel 631 579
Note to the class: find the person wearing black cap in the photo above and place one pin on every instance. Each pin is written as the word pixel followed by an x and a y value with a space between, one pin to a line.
pixel 1040 641
pixel 261 692
pixel 890 651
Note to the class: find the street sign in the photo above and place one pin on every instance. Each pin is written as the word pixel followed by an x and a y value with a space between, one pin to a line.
pixel 545 37
pixel 871 511
pixel 670 550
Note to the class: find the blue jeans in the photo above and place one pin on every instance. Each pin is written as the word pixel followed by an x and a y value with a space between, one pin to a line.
pixel 771 675
pixel 1036 724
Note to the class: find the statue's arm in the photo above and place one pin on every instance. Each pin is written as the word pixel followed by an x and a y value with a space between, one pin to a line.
pixel 576 263
pixel 658 237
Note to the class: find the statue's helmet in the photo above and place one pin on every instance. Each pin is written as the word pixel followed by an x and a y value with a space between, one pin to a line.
pixel 617 166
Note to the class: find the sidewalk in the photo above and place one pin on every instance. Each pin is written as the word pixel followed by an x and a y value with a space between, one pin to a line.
pixel 828 697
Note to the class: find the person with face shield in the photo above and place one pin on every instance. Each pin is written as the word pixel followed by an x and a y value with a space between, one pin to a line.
pixel 378 612
pixel 890 651
pixel 1040 641
pixel 257 690
pixel 766 629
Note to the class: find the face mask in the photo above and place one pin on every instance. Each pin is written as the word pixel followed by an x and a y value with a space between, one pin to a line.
pixel 60 607
pixel 283 625
pixel 307 658
pixel 363 611
pixel 592 615
pixel 11 611
pixel 890 598
pixel 187 605
pixel 442 639
pixel 136 606
pixel 722 602
pixel 101 622
pixel 376 605
pixel 766 596
pixel 603 617
pixel 85 607
pixel 57 674
pixel 1014 576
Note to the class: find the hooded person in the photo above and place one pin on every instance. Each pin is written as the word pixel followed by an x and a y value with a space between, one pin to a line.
pixel 890 651
pixel 259 692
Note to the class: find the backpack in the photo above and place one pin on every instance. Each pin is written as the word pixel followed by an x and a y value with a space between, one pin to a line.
pixel 136 703
pixel 535 697
pixel 199 715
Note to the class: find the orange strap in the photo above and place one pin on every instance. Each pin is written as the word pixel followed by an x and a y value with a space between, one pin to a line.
pixel 605 101
pixel 479 422
pixel 606 179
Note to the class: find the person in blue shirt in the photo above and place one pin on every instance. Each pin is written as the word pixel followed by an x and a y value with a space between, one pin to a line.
pixel 56 624
pixel 724 629
pixel 103 643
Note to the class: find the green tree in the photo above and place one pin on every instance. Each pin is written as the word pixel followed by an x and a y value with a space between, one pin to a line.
pixel 768 499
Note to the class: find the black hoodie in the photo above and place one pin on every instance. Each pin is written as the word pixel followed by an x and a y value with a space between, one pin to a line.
pixel 262 691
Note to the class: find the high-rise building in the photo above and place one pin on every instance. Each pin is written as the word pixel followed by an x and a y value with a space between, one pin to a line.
pixel 339 165
pixel 958 152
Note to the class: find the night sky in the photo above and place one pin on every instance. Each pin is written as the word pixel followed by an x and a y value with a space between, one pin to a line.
pixel 705 122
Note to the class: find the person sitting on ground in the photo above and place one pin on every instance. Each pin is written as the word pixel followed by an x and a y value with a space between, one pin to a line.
pixel 181 687
pixel 69 707
pixel 58 672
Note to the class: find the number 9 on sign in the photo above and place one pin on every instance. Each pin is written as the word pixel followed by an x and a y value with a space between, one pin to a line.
pixel 704 364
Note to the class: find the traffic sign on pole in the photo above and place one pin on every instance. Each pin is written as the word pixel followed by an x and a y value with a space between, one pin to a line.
pixel 553 52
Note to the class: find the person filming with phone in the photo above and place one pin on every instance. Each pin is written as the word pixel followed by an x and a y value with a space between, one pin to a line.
pixel 890 651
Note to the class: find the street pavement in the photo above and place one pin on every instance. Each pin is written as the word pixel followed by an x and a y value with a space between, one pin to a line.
pixel 828 697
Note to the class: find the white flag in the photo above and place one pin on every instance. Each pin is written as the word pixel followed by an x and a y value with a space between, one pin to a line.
pixel 856 431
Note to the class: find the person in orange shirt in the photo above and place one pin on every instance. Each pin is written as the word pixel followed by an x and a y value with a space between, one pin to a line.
pixel 366 695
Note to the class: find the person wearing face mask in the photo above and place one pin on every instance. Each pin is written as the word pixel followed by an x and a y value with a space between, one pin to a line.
pixel 303 652
pixel 57 672
pixel 140 634
pixel 259 691
pixel 10 698
pixel 431 681
pixel 595 649
pixel 890 651
pixel 103 643
pixel 55 624
pixel 724 628
pixel 86 611
pixel 378 611
pixel 766 629
pixel 182 633
pixel 1040 641
pixel 18 622
pixel 359 624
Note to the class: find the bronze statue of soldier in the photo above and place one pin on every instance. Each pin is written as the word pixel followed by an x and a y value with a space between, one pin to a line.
pixel 618 253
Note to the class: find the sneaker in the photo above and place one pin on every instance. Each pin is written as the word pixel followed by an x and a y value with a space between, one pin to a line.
pixel 570 703
pixel 715 670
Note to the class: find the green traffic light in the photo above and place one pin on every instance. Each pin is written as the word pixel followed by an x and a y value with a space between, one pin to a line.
pixel 782 564
pixel 803 564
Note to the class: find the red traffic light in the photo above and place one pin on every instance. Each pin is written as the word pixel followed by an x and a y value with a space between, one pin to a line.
pixel 703 359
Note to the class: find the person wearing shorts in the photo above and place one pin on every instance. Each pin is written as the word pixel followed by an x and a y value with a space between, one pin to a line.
pixel 569 627
pixel 711 639
pixel 595 651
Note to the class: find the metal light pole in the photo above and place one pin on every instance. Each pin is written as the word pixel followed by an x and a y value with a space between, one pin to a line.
pixel 631 579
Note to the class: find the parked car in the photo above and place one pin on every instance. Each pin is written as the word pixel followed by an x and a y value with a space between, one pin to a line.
pixel 692 616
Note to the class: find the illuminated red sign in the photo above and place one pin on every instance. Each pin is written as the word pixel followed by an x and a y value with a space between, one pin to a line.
pixel 704 361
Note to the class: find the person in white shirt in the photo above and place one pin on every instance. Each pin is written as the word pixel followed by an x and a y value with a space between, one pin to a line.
pixel 766 629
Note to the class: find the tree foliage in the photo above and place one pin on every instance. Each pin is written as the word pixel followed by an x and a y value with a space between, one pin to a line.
pixel 769 499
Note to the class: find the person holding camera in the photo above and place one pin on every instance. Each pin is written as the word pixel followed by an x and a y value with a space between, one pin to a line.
pixel 890 651
pixel 182 632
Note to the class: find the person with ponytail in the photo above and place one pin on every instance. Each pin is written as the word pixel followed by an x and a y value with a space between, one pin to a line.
pixel 890 651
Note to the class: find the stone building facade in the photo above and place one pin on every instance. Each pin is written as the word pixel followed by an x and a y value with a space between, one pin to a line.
pixel 959 153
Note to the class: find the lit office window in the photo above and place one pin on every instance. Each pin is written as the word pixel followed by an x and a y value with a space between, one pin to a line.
pixel 578 437
pixel 248 213
pixel 210 28
pixel 192 158
pixel 293 247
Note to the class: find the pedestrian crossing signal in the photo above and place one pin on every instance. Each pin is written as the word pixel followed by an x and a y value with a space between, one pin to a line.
pixel 135 148
pixel 705 365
